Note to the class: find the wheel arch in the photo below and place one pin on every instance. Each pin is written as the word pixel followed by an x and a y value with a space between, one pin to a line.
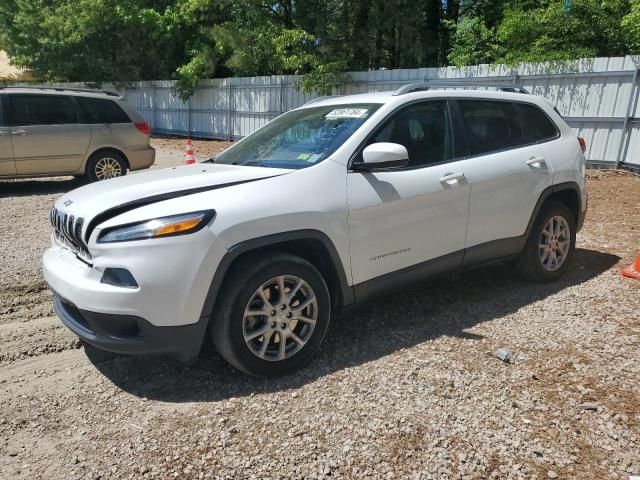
pixel 106 150
pixel 567 193
pixel 311 245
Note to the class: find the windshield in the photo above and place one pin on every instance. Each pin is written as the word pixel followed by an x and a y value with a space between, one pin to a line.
pixel 299 138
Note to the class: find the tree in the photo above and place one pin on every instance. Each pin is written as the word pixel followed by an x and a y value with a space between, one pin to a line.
pixel 123 40
pixel 531 31
pixel 94 40
pixel 562 31
pixel 631 28
pixel 473 43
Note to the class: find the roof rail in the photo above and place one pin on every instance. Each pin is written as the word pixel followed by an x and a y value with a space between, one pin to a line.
pixel 63 89
pixel 317 99
pixel 421 87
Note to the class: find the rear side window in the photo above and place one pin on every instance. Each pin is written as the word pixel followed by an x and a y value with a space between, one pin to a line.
pixel 41 110
pixel 490 126
pixel 536 125
pixel 97 110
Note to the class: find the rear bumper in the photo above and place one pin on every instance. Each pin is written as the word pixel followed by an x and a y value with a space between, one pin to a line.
pixel 130 334
pixel 142 157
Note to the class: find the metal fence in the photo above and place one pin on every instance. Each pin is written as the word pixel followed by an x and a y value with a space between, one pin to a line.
pixel 598 98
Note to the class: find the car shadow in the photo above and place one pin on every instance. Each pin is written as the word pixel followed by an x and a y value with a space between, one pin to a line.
pixel 446 306
pixel 48 186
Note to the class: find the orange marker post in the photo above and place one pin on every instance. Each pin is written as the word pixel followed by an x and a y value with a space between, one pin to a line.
pixel 188 157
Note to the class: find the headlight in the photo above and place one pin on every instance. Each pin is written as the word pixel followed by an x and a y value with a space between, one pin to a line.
pixel 158 227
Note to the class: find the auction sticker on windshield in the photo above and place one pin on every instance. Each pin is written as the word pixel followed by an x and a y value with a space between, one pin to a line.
pixel 347 113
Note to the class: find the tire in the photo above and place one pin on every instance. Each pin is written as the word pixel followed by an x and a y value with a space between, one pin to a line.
pixel 262 272
pixel 105 165
pixel 537 263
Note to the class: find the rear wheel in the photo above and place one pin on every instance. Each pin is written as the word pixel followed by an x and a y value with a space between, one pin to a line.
pixel 105 165
pixel 551 243
pixel 273 315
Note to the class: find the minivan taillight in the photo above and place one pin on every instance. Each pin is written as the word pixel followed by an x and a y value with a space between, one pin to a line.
pixel 143 127
pixel 583 144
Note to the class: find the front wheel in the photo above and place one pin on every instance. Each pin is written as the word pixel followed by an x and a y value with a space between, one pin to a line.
pixel 273 314
pixel 551 243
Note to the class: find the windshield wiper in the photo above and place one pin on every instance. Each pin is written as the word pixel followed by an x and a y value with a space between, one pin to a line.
pixel 253 163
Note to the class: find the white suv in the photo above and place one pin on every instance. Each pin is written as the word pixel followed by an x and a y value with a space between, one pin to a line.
pixel 331 204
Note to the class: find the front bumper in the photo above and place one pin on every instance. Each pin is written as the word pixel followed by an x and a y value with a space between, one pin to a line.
pixel 130 334
pixel 163 314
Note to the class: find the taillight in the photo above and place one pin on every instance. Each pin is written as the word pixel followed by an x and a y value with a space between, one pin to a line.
pixel 143 127
pixel 583 144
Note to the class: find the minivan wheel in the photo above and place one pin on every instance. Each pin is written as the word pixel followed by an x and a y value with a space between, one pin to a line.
pixel 105 165
pixel 273 314
pixel 551 243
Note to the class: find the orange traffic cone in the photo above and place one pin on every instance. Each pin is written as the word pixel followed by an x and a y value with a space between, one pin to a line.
pixel 188 157
pixel 633 270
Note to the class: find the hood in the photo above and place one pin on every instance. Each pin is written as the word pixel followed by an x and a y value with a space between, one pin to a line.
pixel 100 201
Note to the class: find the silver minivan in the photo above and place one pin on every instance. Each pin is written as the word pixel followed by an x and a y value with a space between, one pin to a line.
pixel 47 132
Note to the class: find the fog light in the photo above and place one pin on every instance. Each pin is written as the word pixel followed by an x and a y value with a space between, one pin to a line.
pixel 119 277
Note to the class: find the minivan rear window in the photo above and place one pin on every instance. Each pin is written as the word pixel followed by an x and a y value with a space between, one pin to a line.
pixel 41 110
pixel 97 110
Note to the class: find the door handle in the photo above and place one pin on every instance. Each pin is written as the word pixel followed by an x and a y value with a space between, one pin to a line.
pixel 451 178
pixel 536 162
pixel 20 133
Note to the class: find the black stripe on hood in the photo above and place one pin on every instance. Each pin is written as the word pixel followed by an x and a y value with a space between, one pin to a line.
pixel 142 202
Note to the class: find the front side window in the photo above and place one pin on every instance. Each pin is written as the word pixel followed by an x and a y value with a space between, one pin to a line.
pixel 423 129
pixel 97 110
pixel 490 126
pixel 299 138
pixel 27 110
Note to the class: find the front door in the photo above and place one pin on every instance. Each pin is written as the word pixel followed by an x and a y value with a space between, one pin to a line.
pixel 413 220
pixel 46 134
pixel 7 165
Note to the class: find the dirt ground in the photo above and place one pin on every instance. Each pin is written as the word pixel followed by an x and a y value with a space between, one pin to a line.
pixel 404 387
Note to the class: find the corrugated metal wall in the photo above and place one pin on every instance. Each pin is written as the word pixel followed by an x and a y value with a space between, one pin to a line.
pixel 598 97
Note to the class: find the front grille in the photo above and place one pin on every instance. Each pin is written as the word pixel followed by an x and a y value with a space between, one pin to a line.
pixel 68 231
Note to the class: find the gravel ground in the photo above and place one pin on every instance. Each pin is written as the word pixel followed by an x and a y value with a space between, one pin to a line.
pixel 404 387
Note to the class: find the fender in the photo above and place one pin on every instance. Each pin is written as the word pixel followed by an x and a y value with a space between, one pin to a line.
pixel 546 193
pixel 346 291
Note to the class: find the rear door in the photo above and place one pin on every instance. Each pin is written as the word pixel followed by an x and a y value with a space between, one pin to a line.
pixel 7 165
pixel 510 146
pixel 110 125
pixel 46 134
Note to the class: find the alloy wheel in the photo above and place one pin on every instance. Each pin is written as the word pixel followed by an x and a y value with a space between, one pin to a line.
pixel 280 318
pixel 108 167
pixel 554 244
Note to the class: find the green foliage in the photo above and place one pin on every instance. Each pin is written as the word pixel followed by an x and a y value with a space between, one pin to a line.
pixel 187 40
pixel 473 43
pixel 555 30
pixel 92 40
pixel 631 28
pixel 325 78
pixel 588 28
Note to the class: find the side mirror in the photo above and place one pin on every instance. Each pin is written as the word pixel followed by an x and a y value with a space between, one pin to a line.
pixel 383 155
